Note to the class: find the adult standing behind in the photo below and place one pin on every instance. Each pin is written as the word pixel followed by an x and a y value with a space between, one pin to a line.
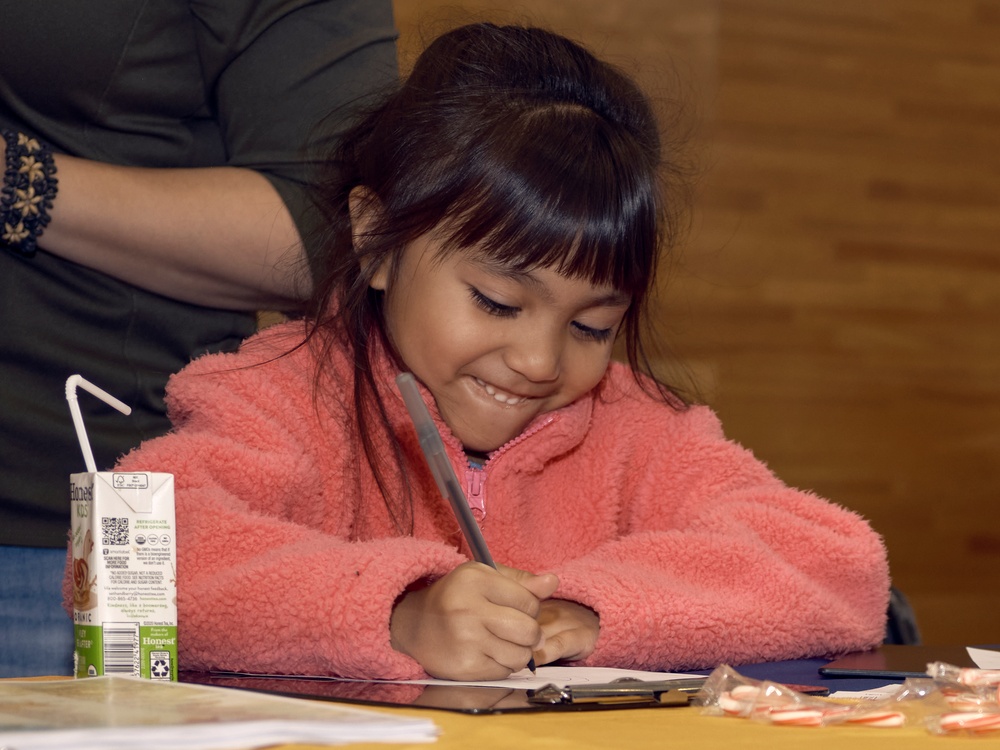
pixel 156 157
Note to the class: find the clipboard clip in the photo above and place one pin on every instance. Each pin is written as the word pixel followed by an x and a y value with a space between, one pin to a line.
pixel 675 692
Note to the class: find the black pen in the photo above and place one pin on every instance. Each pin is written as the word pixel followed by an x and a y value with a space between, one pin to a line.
pixel 444 474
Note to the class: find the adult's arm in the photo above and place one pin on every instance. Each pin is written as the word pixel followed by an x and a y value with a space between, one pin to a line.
pixel 282 76
pixel 219 236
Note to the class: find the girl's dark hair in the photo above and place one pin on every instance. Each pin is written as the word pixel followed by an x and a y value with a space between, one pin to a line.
pixel 514 140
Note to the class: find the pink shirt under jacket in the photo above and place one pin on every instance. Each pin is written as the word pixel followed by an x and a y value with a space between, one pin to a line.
pixel 690 550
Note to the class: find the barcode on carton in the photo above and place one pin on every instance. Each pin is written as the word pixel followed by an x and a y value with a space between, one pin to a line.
pixel 121 648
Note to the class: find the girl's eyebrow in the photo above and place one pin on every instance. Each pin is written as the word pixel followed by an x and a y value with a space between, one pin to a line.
pixel 612 298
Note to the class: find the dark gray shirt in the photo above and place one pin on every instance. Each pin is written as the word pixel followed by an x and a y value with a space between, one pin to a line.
pixel 246 83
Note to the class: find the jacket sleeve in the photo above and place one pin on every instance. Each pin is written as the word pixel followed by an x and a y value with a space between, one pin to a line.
pixel 717 561
pixel 268 578
pixel 264 59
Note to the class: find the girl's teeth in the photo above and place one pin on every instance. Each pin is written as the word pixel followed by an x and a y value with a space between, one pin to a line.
pixel 501 397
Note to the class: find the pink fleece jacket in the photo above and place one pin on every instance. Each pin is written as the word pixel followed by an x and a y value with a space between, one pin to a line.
pixel 688 548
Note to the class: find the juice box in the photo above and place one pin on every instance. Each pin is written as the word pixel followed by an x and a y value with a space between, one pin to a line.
pixel 124 574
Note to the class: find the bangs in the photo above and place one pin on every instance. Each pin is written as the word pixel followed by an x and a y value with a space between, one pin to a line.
pixel 555 186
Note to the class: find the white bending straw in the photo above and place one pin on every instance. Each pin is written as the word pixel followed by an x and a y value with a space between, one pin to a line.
pixel 72 382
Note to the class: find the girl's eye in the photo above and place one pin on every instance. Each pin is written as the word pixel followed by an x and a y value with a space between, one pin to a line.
pixel 593 334
pixel 500 310
pixel 492 306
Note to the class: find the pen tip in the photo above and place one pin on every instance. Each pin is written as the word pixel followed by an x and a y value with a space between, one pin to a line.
pixel 531 665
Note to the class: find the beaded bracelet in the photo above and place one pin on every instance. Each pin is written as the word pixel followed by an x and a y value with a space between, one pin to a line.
pixel 29 186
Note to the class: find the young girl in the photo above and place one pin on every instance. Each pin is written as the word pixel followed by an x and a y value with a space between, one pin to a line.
pixel 494 228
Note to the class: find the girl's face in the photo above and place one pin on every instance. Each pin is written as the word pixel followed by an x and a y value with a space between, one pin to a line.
pixel 496 347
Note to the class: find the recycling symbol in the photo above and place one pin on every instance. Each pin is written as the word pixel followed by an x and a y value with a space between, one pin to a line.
pixel 159 669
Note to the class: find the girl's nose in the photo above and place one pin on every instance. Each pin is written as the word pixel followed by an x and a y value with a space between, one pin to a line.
pixel 535 355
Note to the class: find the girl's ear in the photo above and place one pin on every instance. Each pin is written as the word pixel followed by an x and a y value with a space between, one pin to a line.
pixel 364 206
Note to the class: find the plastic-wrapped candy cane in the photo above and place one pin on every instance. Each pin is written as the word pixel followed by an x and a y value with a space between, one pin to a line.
pixel 728 693
pixel 738 700
pixel 964 698
pixel 871 717
pixel 966 722
pixel 794 716
pixel 965 688
pixel 940 670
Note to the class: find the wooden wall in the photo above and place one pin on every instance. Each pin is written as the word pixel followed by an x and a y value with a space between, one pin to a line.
pixel 837 295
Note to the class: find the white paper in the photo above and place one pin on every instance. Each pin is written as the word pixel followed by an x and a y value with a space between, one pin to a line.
pixel 563 676
pixel 246 735
pixel 523 680
pixel 984 658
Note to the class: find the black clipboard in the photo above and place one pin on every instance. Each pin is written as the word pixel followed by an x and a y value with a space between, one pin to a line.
pixel 461 698
pixel 896 662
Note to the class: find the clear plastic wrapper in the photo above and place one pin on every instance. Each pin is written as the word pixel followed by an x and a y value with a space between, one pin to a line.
pixel 973 688
pixel 978 722
pixel 939 670
pixel 971 698
pixel 728 693
pixel 950 701
pixel 960 697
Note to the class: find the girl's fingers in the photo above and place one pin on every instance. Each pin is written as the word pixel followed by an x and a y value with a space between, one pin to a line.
pixel 505 587
pixel 540 586
pixel 510 657
pixel 570 631
pixel 475 623
pixel 483 656
pixel 514 627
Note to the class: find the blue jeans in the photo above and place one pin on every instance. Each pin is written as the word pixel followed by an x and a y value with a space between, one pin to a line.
pixel 36 634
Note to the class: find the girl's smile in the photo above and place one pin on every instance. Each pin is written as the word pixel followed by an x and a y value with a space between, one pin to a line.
pixel 500 396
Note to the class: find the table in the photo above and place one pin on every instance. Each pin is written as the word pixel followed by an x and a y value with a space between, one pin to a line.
pixel 667 727
pixel 655 728
pixel 683 727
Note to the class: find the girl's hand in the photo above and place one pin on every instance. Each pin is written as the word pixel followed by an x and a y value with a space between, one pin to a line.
pixel 569 630
pixel 473 624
